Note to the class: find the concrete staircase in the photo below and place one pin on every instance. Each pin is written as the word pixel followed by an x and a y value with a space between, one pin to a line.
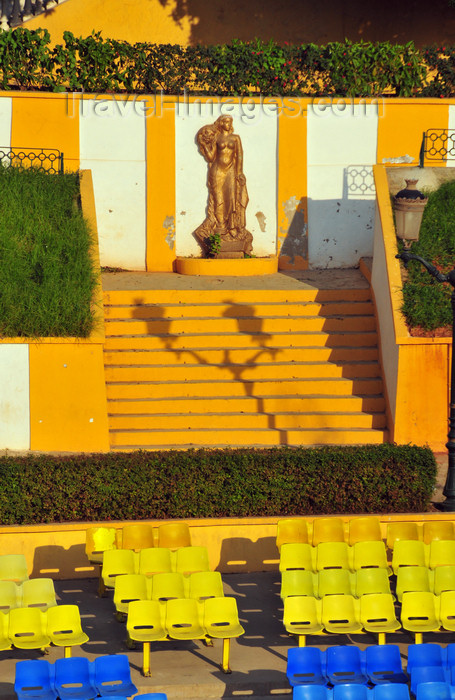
pixel 212 368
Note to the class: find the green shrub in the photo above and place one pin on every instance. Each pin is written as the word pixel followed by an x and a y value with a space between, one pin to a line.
pixel 216 483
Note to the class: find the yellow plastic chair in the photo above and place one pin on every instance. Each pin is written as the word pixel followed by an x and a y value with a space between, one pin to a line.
pixel 188 560
pixel 167 586
pixel 296 555
pixel 297 582
pixel 127 588
pixel 145 624
pixel 377 614
pixel 156 560
pixel 332 555
pixel 174 535
pixel 438 530
pixel 302 616
pixel 401 531
pixel 447 610
pixel 365 529
pixel 10 596
pixel 117 562
pixel 408 553
pixel 205 584
pixel 442 553
pixel 137 536
pixel 328 530
pixel 367 581
pixel 419 613
pixel 340 614
pixel 221 621
pixel 291 530
pixel 443 579
pixel 370 555
pixel 412 578
pixel 184 619
pixel 334 582
pixel 5 641
pixel 27 628
pixel 64 627
pixel 13 567
pixel 97 541
pixel 38 593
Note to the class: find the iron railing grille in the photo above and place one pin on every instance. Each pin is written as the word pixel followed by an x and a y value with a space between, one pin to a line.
pixel 47 160
pixel 437 144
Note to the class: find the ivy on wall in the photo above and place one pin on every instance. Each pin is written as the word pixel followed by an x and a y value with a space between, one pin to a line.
pixel 94 64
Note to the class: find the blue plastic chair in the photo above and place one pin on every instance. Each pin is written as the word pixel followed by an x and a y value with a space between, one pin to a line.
pixel 311 692
pixel 426 674
pixel 113 676
pixel 383 664
pixel 152 696
pixel 391 691
pixel 73 679
pixel 433 691
pixel 344 665
pixel 34 679
pixel 450 655
pixel 350 691
pixel 425 655
pixel 306 666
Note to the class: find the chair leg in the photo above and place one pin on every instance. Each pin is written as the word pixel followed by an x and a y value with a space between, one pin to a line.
pixel 101 587
pixel 146 659
pixel 67 652
pixel 381 638
pixel 302 640
pixel 225 661
pixel 418 637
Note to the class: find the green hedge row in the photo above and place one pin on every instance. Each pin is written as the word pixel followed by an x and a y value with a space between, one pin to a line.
pixel 216 483
pixel 94 64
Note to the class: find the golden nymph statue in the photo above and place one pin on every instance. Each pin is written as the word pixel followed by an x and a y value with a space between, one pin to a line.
pixel 228 196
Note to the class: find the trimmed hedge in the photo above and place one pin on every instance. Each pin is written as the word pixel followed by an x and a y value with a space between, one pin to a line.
pixel 216 483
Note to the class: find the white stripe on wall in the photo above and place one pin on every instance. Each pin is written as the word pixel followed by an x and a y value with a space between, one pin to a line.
pixel 15 397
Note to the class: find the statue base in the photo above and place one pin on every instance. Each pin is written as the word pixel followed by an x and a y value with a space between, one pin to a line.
pixel 225 267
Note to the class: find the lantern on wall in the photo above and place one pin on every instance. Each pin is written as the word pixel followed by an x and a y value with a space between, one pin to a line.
pixel 408 207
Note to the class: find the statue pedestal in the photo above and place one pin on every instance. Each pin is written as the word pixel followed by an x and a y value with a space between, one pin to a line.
pixel 225 267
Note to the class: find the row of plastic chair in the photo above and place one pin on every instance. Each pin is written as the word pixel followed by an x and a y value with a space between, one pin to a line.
pixel 162 587
pixel 376 664
pixel 74 678
pixel 183 619
pixel 135 536
pixel 334 581
pixel 420 578
pixel 360 529
pixel 334 555
pixel 148 562
pixel 31 628
pixel 34 592
pixel 353 691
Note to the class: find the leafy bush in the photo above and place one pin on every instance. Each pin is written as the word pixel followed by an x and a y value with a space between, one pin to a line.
pixel 216 483
pixel 426 301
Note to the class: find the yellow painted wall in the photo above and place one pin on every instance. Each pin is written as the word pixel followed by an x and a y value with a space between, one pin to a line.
pixel 296 21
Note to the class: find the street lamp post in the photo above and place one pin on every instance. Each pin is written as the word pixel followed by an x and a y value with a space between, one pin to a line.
pixel 449 487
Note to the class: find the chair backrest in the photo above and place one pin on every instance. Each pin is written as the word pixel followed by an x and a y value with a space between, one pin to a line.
pixel 340 614
pixel 401 531
pixel 311 692
pixel 434 690
pixel 74 674
pixel 377 611
pixel 297 582
pixel 438 530
pixel 117 562
pixel 391 691
pixel 424 655
pixel 221 617
pixel 13 567
pixel 27 628
pixel 156 560
pixel 442 553
pixel 328 530
pixel 184 619
pixel 426 674
pixel 291 530
pixel 10 596
pixel 205 584
pixel 412 578
pixel 302 615
pixel 188 560
pixel 97 541
pixel 443 579
pixel 296 555
pixel 419 611
pixel 447 610
pixel 368 581
pixel 350 691
pixel 306 665
pixel 365 529
pixel 344 665
pixel 167 586
pixel 174 535
pixel 145 621
pixel 113 675
pixel 334 581
pixel 38 593
pixel 383 663
pixel 137 536
pixel 128 588
pixel 332 555
pixel 64 625
pixel 367 555
pixel 34 679
pixel 408 553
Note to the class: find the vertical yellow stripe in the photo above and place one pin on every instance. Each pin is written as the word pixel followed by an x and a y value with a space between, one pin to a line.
pixel 292 205
pixel 160 128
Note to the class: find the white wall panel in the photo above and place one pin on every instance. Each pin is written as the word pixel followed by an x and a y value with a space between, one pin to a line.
pixel 14 397
pixel 113 146
pixel 6 109
pixel 258 132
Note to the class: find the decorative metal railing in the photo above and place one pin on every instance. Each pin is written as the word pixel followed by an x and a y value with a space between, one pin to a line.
pixel 437 144
pixel 47 160
pixel 14 12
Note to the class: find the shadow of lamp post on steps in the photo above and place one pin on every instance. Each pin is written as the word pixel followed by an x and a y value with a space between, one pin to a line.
pixel 408 207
